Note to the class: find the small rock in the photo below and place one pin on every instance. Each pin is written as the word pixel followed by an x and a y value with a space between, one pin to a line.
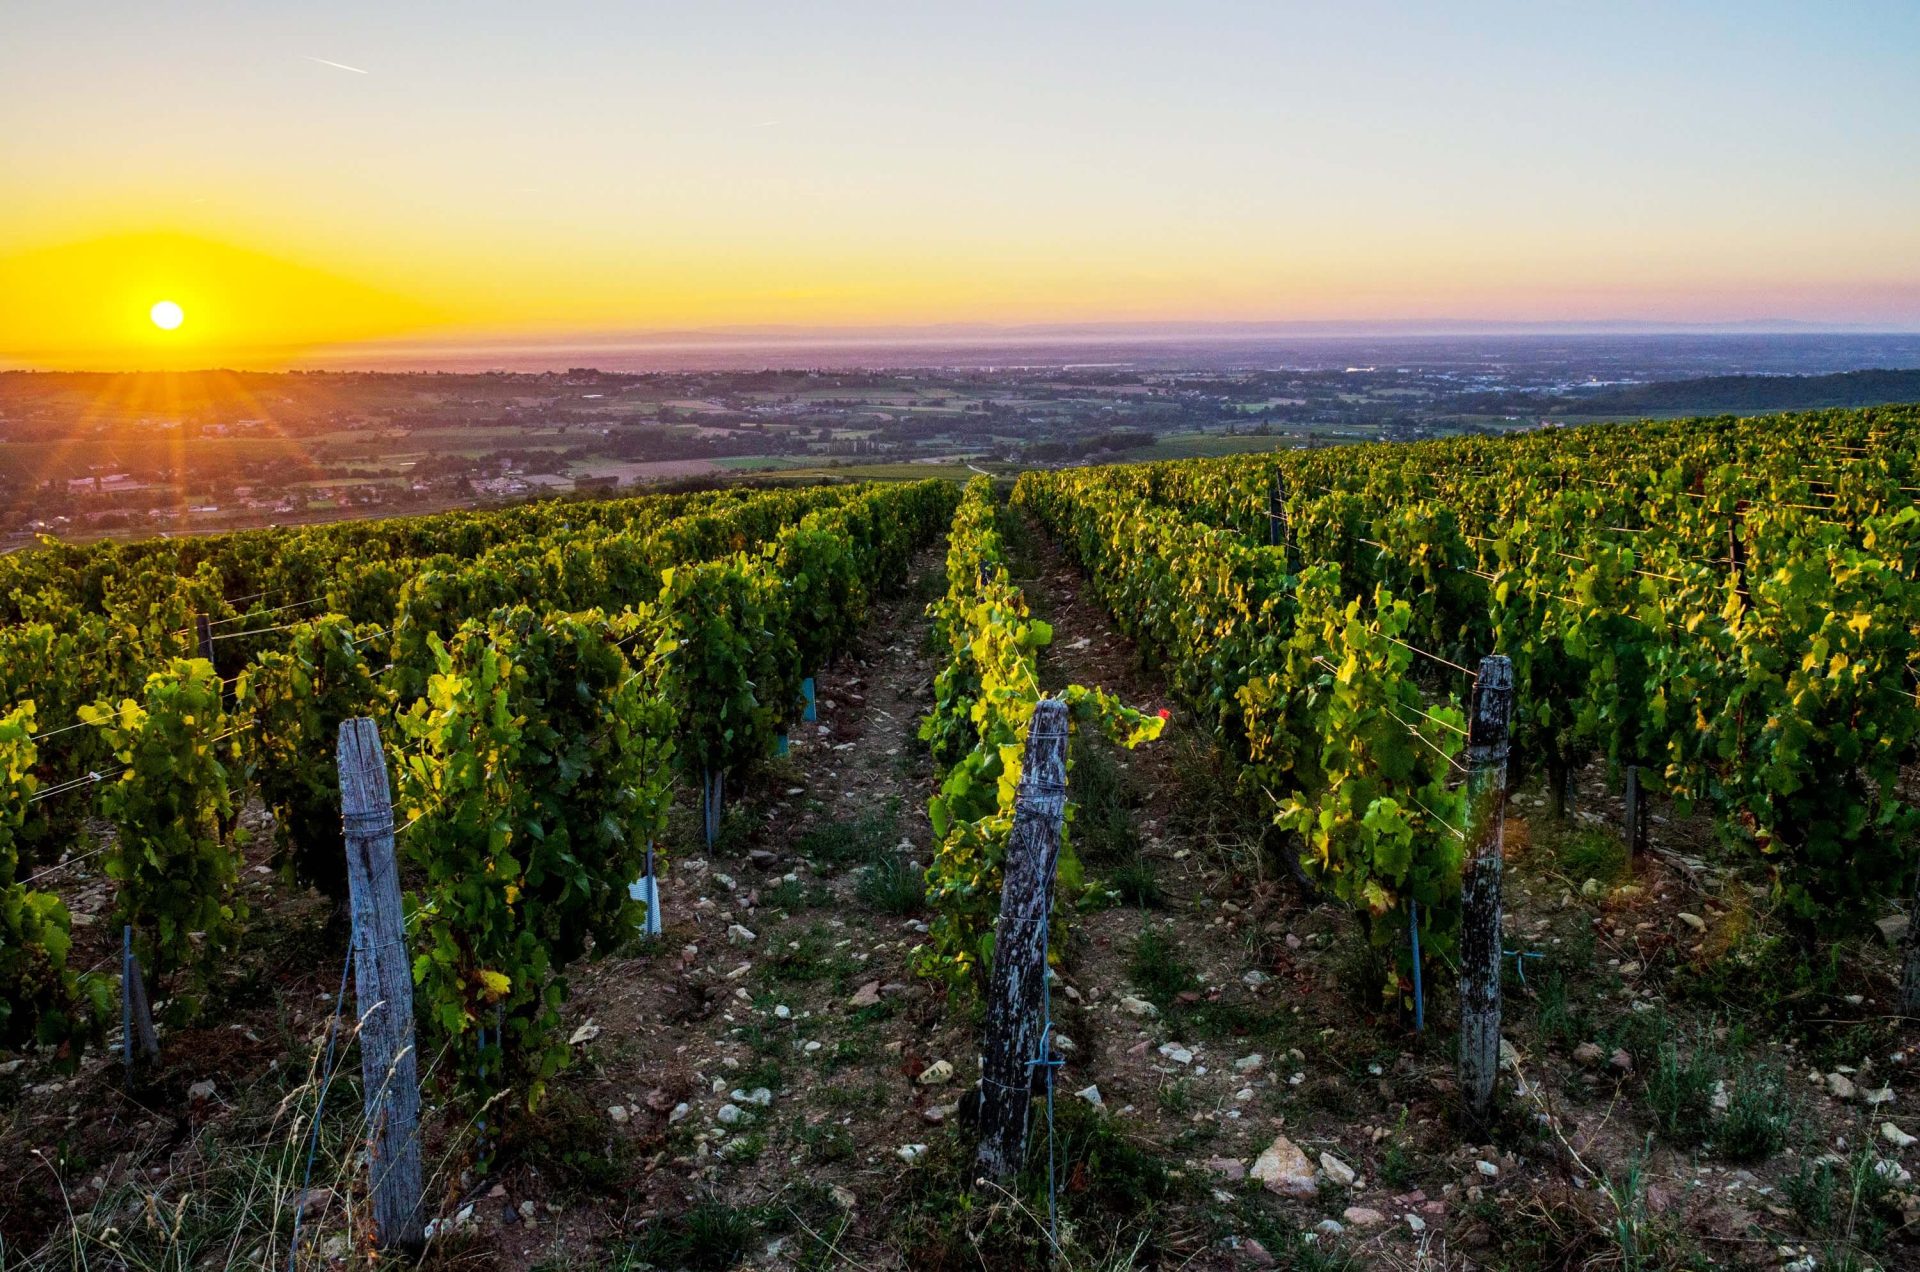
pixel 203 1090
pixel 1589 1054
pixel 585 1033
pixel 1284 1169
pixel 1893 928
pixel 1363 1217
pixel 1247 1064
pixel 1509 1057
pixel 1487 1168
pixel 741 935
pixel 1138 1007
pixel 1693 921
pixel 1895 1136
pixel 1091 1095
pixel 1177 1053
pixel 1592 888
pixel 1841 1087
pixel 679 1111
pixel 759 1095
pixel 1338 1171
pixel 868 995
pixel 783 1012
pixel 1228 1168
pixel 842 1197
pixel 618 1113
pixel 936 1073
pixel 1876 1097
pixel 729 1115
pixel 1329 1227
pixel 1416 1223
pixel 1621 1060
pixel 910 1152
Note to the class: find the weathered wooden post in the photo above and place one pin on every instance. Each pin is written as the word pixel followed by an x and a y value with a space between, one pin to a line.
pixel 1480 936
pixel 383 986
pixel 1636 801
pixel 1276 514
pixel 136 1012
pixel 1016 994
pixel 1910 974
pixel 205 630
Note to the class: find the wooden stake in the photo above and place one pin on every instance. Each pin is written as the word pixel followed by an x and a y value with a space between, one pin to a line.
pixel 383 985
pixel 1636 813
pixel 1016 992
pixel 1480 935
pixel 136 1011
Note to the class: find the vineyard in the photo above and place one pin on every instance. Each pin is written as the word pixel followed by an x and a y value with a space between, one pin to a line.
pixel 1488 852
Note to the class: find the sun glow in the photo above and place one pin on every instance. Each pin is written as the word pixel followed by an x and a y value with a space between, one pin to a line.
pixel 167 315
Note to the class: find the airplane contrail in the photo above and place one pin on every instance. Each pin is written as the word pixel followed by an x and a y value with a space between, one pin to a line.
pixel 338 66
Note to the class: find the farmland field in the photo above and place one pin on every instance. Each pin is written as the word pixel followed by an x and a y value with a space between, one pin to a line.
pixel 1483 852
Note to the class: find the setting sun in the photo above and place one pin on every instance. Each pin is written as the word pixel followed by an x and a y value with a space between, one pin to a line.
pixel 166 315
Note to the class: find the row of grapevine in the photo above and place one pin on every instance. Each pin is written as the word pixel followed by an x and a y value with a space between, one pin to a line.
pixel 73 653
pixel 1729 609
pixel 537 745
pixel 1310 691
pixel 984 699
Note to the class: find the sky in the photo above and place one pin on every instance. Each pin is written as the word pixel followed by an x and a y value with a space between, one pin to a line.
pixel 302 177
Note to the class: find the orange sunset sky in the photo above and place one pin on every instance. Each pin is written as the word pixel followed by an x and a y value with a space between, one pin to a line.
pixel 305 180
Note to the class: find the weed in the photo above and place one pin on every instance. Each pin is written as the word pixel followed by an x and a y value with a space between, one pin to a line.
pixel 1104 800
pixel 1849 1200
pixel 1759 1113
pixel 1560 1023
pixel 826 1141
pixel 893 885
pixel 1397 1164
pixel 1588 852
pixel 851 840
pixel 1157 970
pixel 711 1237
pixel 1137 885
pixel 1680 1093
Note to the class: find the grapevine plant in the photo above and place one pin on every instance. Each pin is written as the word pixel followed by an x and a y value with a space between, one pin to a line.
pixel 984 702
pixel 175 848
pixel 535 771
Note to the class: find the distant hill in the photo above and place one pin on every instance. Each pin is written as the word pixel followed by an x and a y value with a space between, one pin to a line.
pixel 1747 394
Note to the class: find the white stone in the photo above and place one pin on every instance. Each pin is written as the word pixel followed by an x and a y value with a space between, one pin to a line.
pixel 1338 1171
pixel 1363 1217
pixel 1138 1007
pixel 741 935
pixel 1284 1169
pixel 618 1112
pixel 910 1152
pixel 1176 1053
pixel 1895 1136
pixel 1247 1064
pixel 680 1111
pixel 1416 1223
pixel 936 1073
pixel 729 1115
pixel 1487 1168
pixel 1091 1095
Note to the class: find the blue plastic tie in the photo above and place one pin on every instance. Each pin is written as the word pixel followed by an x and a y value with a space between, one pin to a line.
pixel 1419 998
pixel 1520 958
